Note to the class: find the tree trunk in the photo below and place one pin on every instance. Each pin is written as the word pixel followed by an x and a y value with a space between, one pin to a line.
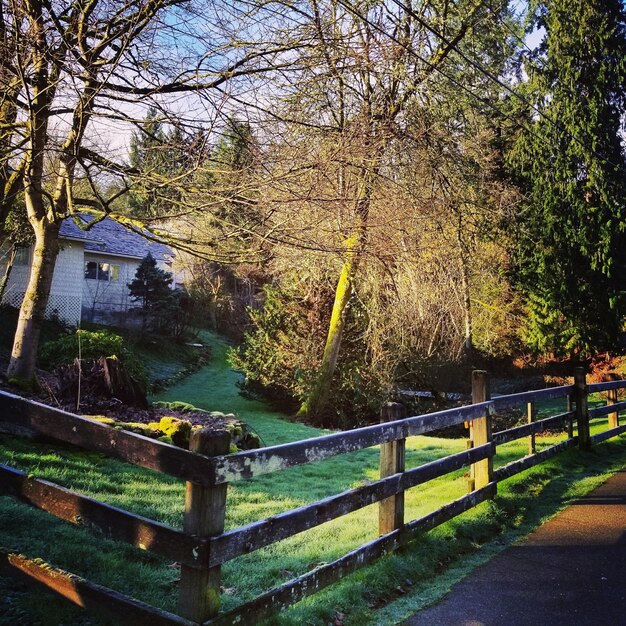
pixel 318 397
pixel 314 405
pixel 32 311
pixel 7 272
pixel 213 314
pixel 465 286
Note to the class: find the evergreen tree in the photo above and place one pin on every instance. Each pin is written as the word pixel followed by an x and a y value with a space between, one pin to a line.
pixel 235 150
pixel 234 161
pixel 160 157
pixel 571 255
pixel 165 310
pixel 146 156
pixel 150 287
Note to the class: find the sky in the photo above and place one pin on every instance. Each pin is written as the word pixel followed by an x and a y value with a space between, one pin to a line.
pixel 113 136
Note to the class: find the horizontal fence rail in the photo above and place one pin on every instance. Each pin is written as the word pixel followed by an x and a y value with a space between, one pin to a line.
pixel 121 608
pixel 607 386
pixel 515 467
pixel 203 546
pixel 605 410
pixel 88 434
pixel 72 507
pixel 245 465
pixel 265 532
pixel 533 428
pixel 303 586
pixel 608 434
pixel 541 395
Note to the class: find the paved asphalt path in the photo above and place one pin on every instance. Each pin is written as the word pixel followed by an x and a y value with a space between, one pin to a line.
pixel 570 572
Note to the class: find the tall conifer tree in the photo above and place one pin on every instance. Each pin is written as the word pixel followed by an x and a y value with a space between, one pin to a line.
pixel 571 259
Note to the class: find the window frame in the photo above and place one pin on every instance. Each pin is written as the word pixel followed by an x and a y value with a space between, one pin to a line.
pixel 103 271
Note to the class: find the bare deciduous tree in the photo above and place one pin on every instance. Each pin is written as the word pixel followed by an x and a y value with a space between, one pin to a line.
pixel 341 128
pixel 71 72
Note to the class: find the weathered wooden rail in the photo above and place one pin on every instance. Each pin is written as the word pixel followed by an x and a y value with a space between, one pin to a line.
pixel 202 546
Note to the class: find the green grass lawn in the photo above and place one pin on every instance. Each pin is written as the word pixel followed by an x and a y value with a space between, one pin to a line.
pixel 381 594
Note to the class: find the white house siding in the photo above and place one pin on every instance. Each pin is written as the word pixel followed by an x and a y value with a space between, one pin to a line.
pixel 101 296
pixel 66 291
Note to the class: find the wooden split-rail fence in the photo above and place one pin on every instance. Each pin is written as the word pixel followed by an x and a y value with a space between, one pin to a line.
pixel 202 546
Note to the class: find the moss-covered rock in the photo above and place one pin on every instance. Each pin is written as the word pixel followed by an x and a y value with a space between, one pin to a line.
pixel 140 429
pixel 241 434
pixel 173 430
pixel 178 430
pixel 183 407
pixel 170 429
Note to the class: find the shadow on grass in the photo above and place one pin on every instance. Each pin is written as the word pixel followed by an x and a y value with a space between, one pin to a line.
pixel 522 503
pixel 138 490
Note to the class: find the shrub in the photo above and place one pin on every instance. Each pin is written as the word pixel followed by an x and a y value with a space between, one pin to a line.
pixel 90 346
pixel 280 357
pixel 165 311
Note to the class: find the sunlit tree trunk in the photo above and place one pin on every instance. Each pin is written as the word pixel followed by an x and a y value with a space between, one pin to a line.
pixel 384 95
pixel 56 61
pixel 46 230
pixel 32 311
pixel 315 403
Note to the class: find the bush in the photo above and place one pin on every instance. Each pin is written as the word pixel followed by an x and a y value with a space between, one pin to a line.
pixel 90 346
pixel 165 311
pixel 280 357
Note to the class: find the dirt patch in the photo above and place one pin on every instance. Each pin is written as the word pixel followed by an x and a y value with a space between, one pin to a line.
pixel 59 389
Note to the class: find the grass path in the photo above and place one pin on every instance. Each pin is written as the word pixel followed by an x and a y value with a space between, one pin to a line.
pixel 381 594
pixel 214 388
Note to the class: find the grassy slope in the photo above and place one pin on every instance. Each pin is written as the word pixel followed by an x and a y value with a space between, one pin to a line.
pixel 162 359
pixel 516 510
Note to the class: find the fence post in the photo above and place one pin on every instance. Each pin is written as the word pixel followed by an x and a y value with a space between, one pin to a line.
pixel 391 510
pixel 531 418
pixel 481 472
pixel 582 408
pixel 611 398
pixel 205 510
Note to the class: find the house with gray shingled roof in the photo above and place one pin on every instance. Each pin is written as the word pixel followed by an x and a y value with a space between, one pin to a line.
pixel 93 269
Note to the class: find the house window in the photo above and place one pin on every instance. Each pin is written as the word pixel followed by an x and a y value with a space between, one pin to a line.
pixel 91 270
pixel 102 271
pixel 114 273
pixel 21 256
